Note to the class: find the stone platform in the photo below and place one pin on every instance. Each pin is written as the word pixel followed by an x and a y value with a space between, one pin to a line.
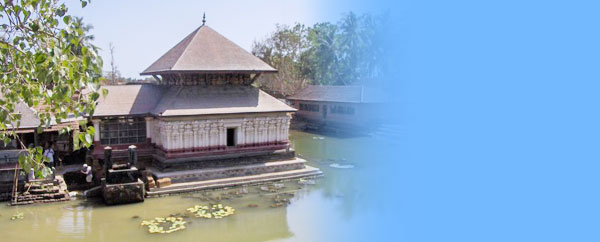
pixel 221 160
pixel 230 171
pixel 306 171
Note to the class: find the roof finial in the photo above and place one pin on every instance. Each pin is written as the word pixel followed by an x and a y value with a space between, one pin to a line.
pixel 203 19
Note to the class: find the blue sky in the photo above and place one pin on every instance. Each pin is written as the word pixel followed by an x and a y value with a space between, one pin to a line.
pixel 142 31
pixel 499 101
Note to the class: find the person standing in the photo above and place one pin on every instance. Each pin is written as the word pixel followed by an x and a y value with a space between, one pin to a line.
pixel 49 154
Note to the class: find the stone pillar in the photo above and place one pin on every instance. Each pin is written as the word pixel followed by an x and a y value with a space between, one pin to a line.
pixel 205 135
pixel 195 137
pixel 149 127
pixel 132 156
pixel 107 160
pixel 96 123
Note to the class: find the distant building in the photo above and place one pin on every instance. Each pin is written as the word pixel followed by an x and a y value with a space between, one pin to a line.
pixel 27 132
pixel 337 106
pixel 202 112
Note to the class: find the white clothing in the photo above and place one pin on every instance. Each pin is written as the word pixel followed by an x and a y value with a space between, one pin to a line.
pixel 49 153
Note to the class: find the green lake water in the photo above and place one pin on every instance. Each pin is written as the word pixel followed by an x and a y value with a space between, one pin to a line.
pixel 315 211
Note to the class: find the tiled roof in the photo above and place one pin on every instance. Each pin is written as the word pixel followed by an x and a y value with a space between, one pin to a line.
pixel 28 118
pixel 205 50
pixel 159 100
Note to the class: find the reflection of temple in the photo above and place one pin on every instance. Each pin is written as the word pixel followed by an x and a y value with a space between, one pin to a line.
pixel 203 113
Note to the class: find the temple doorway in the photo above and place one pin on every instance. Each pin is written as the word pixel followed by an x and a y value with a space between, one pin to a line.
pixel 230 137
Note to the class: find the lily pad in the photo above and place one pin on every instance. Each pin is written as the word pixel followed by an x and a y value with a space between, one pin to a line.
pixel 214 211
pixel 166 225
pixel 17 216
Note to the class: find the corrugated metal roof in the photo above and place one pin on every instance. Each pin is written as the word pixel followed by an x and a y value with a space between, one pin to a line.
pixel 205 50
pixel 348 94
pixel 158 100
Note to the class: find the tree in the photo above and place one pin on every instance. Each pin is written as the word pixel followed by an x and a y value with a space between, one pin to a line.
pixel 78 21
pixel 345 53
pixel 114 72
pixel 46 60
pixel 283 50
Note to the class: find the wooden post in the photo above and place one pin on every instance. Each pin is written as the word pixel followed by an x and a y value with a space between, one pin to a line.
pixel 15 181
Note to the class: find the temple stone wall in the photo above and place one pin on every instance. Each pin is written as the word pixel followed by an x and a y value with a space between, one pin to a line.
pixel 195 134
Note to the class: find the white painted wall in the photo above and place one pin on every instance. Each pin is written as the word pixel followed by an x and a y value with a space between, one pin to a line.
pixel 187 134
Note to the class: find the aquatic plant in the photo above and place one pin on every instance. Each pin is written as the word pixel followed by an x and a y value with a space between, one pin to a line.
pixel 164 225
pixel 17 216
pixel 214 211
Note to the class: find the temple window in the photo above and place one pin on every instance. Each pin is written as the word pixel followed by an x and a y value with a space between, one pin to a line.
pixel 309 107
pixel 122 131
pixel 342 110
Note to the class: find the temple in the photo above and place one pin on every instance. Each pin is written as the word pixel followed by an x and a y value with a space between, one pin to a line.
pixel 202 121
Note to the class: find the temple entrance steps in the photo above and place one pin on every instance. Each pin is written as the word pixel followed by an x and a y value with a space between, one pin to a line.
pixel 307 171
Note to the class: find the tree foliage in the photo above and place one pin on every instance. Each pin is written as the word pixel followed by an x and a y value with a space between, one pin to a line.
pixel 46 61
pixel 342 53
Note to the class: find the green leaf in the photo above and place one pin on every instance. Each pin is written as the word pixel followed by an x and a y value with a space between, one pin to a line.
pixel 40 58
pixel 67 19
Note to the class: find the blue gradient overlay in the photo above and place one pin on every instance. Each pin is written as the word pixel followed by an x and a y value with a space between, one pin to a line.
pixel 497 108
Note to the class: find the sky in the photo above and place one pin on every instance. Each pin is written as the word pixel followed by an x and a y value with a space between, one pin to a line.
pixel 141 31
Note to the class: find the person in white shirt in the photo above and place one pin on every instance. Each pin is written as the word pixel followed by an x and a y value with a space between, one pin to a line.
pixel 49 153
pixel 87 170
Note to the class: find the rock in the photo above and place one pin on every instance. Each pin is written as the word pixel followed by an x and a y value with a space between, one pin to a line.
pixel 163 182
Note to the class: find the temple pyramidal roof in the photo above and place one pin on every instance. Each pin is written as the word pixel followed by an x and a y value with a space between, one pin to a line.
pixel 206 51
pixel 202 51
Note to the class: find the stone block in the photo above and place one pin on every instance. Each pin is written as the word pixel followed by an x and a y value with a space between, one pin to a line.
pixel 163 182
pixel 151 183
pixel 123 193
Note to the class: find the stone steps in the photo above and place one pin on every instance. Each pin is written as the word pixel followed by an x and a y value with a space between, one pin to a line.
pixel 193 175
pixel 307 171
pixel 43 192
